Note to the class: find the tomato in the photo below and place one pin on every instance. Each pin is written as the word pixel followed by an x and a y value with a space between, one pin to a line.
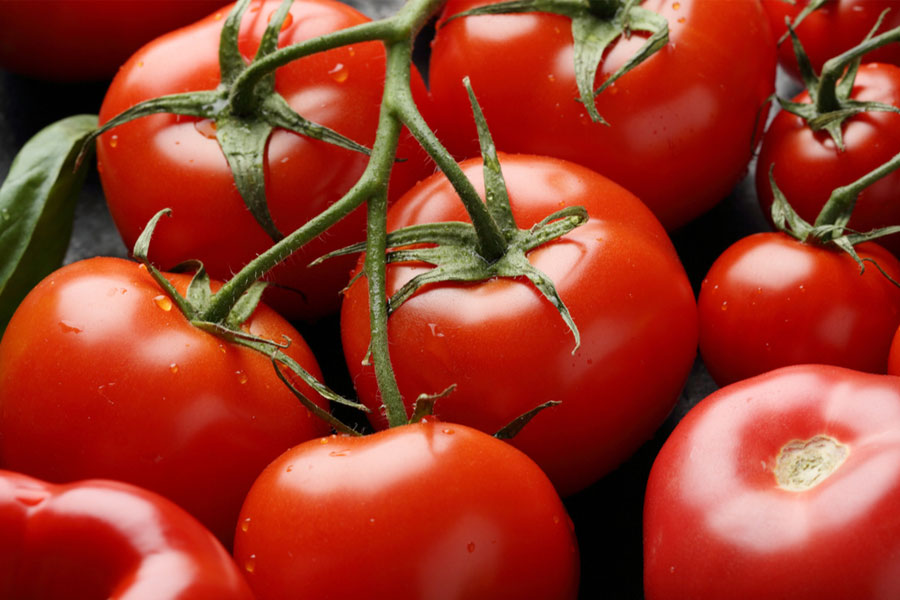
pixel 835 27
pixel 429 510
pixel 507 349
pixel 683 123
pixel 808 164
pixel 167 161
pixel 770 301
pixel 785 485
pixel 106 539
pixel 101 376
pixel 80 40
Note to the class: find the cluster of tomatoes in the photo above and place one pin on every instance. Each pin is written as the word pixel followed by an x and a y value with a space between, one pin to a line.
pixel 183 464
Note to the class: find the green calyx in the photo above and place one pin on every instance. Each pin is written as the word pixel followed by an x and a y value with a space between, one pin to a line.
pixel 830 102
pixel 830 226
pixel 595 25
pixel 246 110
pixel 196 305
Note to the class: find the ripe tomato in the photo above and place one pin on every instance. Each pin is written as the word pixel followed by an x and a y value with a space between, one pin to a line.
pixel 101 376
pixel 809 166
pixel 785 485
pixel 835 27
pixel 106 539
pixel 80 40
pixel 695 102
pixel 770 301
pixel 429 510
pixel 167 161
pixel 507 349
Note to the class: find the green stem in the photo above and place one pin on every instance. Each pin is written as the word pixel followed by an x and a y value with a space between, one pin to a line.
pixel 826 97
pixel 604 9
pixel 491 243
pixel 842 200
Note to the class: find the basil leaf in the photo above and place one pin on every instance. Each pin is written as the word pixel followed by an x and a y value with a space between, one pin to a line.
pixel 37 207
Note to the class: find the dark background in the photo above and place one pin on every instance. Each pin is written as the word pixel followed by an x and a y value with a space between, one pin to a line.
pixel 607 516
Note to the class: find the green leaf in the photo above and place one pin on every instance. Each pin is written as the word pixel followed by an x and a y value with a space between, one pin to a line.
pixel 245 305
pixel 784 216
pixel 37 208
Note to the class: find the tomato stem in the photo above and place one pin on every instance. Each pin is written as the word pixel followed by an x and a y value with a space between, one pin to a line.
pixel 840 204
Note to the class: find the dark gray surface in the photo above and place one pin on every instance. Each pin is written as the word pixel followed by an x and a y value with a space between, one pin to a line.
pixel 608 515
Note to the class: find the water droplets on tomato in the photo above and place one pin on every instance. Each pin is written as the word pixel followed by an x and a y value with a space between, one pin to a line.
pixel 68 327
pixel 164 302
pixel 339 73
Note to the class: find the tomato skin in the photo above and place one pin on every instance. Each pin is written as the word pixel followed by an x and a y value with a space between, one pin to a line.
pixel 107 539
pixel 508 350
pixel 99 380
pixel 166 161
pixel 428 510
pixel 770 301
pixel 693 103
pixel 716 523
pixel 83 40
pixel 832 29
pixel 809 166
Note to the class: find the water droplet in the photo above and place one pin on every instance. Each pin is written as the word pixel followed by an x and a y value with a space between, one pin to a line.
pixel 351 51
pixel 339 453
pixel 241 377
pixel 173 367
pixel 164 302
pixel 245 524
pixel 471 547
pixel 113 141
pixel 339 73
pixel 323 441
pixel 448 431
pixel 69 327
pixel 724 306
pixel 681 19
pixel 206 128
pixel 250 563
pixel 802 289
pixel 556 519
pixel 289 468
pixel 140 63
pixel 218 16
pixel 551 77
pixel 372 520
pixel 222 348
pixel 676 5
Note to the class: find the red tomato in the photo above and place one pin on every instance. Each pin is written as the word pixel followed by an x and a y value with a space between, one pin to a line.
pixel 683 124
pixel 80 40
pixel 770 301
pixel 101 376
pixel 809 166
pixel 834 28
pixel 429 510
pixel 166 161
pixel 508 350
pixel 785 485
pixel 106 539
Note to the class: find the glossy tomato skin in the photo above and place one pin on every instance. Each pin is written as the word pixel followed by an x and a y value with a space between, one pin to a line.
pixel 107 539
pixel 696 102
pixel 833 29
pixel 770 301
pixel 166 161
pixel 428 510
pixel 507 349
pixel 83 40
pixel 718 524
pixel 102 377
pixel 809 166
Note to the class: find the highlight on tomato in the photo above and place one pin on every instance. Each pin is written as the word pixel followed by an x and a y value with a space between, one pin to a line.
pixel 245 160
pixel 103 376
pixel 785 485
pixel 642 92
pixel 106 539
pixel 425 510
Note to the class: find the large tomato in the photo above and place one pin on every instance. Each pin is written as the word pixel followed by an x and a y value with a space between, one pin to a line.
pixel 429 510
pixel 102 376
pixel 835 27
pixel 77 40
pixel 786 485
pixel 167 161
pixel 809 165
pixel 770 301
pixel 683 124
pixel 507 349
pixel 106 539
